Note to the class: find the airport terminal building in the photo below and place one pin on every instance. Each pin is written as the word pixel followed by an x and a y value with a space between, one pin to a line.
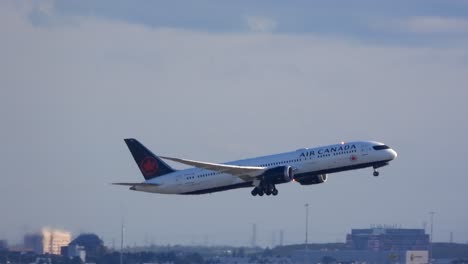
pixel 387 239
pixel 374 245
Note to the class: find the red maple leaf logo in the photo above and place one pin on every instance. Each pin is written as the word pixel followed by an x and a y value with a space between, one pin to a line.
pixel 353 158
pixel 149 166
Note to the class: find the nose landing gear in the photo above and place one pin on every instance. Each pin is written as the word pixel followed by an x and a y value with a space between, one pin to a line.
pixel 376 173
pixel 379 165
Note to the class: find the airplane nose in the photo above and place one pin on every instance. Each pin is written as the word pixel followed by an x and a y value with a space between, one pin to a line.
pixel 393 153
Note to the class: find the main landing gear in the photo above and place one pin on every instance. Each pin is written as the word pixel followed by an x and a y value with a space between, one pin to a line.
pixel 268 189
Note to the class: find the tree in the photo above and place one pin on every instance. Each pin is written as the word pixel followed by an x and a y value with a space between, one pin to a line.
pixel 328 260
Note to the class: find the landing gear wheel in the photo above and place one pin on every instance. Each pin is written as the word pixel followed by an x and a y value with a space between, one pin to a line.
pixel 376 173
pixel 254 192
pixel 269 189
pixel 260 193
pixel 275 192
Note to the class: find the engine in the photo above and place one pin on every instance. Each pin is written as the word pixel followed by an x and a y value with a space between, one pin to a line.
pixel 316 179
pixel 281 174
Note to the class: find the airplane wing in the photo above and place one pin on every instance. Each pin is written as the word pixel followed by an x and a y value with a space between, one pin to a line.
pixel 134 184
pixel 243 172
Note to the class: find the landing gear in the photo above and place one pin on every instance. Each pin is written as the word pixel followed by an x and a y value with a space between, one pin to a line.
pixel 272 189
pixel 254 192
pixel 376 173
pixel 257 191
pixel 268 189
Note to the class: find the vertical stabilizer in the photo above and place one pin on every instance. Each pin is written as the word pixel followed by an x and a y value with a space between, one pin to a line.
pixel 150 165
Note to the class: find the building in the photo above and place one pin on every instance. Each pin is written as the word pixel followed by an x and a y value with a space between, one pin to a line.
pixel 374 245
pixel 92 244
pixel 360 256
pixel 387 239
pixel 73 251
pixel 47 241
pixel 3 245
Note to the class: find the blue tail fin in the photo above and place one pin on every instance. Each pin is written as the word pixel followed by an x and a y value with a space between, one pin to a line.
pixel 150 165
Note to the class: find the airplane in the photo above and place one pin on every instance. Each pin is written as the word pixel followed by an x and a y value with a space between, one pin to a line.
pixel 307 166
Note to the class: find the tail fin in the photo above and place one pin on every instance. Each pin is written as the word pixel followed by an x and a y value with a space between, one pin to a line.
pixel 149 164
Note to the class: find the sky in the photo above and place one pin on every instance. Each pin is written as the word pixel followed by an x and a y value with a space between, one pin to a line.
pixel 224 80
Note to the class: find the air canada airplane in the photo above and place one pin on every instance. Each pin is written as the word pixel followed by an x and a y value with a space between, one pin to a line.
pixel 306 166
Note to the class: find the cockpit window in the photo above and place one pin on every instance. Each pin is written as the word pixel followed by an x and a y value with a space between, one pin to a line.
pixel 380 147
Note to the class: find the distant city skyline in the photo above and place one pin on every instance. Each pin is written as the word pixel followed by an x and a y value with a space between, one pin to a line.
pixel 216 81
pixel 275 239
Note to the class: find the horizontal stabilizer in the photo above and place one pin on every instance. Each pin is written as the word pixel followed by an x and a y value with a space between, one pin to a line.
pixel 135 184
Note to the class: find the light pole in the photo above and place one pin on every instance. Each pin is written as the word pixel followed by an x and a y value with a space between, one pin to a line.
pixel 121 243
pixel 307 226
pixel 254 235
pixel 432 235
pixel 306 253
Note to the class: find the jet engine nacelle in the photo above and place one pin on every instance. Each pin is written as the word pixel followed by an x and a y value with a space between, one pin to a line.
pixel 281 174
pixel 321 178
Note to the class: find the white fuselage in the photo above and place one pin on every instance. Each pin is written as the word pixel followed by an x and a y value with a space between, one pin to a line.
pixel 306 162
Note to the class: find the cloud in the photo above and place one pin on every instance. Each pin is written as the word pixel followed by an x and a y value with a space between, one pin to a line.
pixel 41 12
pixel 45 6
pixel 260 24
pixel 433 25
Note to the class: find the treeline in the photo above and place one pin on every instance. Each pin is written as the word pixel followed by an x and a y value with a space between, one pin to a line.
pixel 449 250
pixel 107 258
pixel 440 250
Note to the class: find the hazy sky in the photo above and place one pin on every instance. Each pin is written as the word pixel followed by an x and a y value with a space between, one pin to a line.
pixel 219 81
